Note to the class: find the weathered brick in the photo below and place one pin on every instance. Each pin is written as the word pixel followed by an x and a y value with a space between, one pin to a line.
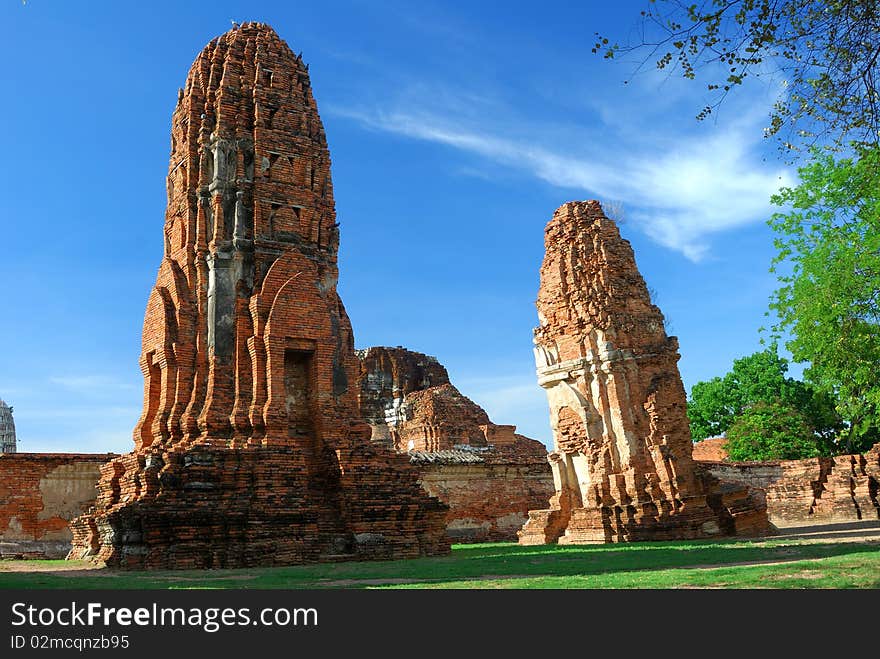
pixel 826 490
pixel 488 475
pixel 250 449
pixel 622 462
pixel 39 494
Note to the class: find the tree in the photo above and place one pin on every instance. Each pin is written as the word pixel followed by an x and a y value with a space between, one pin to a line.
pixel 716 404
pixel 824 52
pixel 772 431
pixel 710 409
pixel 828 266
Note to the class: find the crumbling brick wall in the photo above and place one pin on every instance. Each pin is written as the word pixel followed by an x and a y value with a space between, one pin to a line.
pixel 39 494
pixel 843 488
pixel 489 492
pixel 712 449
pixel 756 475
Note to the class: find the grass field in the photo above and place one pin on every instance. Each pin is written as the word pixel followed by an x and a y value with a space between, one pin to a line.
pixel 767 563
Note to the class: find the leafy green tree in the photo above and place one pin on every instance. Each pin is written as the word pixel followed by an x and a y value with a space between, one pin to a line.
pixel 711 408
pixel 759 378
pixel 825 52
pixel 772 431
pixel 828 266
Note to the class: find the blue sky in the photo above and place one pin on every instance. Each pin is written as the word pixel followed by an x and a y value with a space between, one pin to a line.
pixel 455 130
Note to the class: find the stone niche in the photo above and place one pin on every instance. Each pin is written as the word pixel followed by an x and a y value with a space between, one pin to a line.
pixel 621 462
pixel 250 449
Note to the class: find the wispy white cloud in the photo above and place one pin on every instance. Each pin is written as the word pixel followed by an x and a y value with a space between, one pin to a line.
pixel 62 412
pixel 516 400
pixel 680 189
pixel 90 383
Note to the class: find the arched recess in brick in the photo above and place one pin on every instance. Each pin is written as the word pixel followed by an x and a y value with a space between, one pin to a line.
pixel 571 439
pixel 167 365
pixel 303 324
pixel 571 432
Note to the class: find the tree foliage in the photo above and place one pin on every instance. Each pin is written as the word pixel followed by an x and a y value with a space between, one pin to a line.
pixel 716 404
pixel 772 431
pixel 828 300
pixel 824 52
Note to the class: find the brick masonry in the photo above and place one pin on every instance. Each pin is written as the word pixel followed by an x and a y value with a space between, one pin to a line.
pixel 488 475
pixel 387 377
pixel 844 488
pixel 489 492
pixel 39 494
pixel 622 462
pixel 710 450
pixel 250 449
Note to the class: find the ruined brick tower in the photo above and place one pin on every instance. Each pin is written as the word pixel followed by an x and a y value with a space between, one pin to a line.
pixel 622 457
pixel 250 450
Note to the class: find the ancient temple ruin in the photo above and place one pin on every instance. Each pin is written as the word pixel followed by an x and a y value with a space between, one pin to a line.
pixel 388 375
pixel 250 449
pixel 411 405
pixel 622 462
pixel 7 429
pixel 488 475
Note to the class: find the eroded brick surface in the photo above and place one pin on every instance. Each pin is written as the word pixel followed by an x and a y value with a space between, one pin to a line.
pixel 489 492
pixel 488 475
pixel 812 491
pixel 39 494
pixel 387 376
pixel 622 462
pixel 712 449
pixel 826 490
pixel 250 449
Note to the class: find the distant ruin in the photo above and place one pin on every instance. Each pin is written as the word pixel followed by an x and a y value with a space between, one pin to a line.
pixel 8 442
pixel 487 474
pixel 387 377
pixel 250 450
pixel 622 461
pixel 411 405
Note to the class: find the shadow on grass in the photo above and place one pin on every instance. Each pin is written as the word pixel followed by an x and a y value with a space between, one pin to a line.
pixel 850 530
pixel 466 562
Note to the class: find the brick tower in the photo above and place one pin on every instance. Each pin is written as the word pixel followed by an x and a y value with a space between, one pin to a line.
pixel 250 450
pixel 622 446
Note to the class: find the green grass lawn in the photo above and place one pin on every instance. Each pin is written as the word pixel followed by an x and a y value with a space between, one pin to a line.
pixel 702 564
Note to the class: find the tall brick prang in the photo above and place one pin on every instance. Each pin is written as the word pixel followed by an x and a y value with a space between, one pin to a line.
pixel 250 449
pixel 622 461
